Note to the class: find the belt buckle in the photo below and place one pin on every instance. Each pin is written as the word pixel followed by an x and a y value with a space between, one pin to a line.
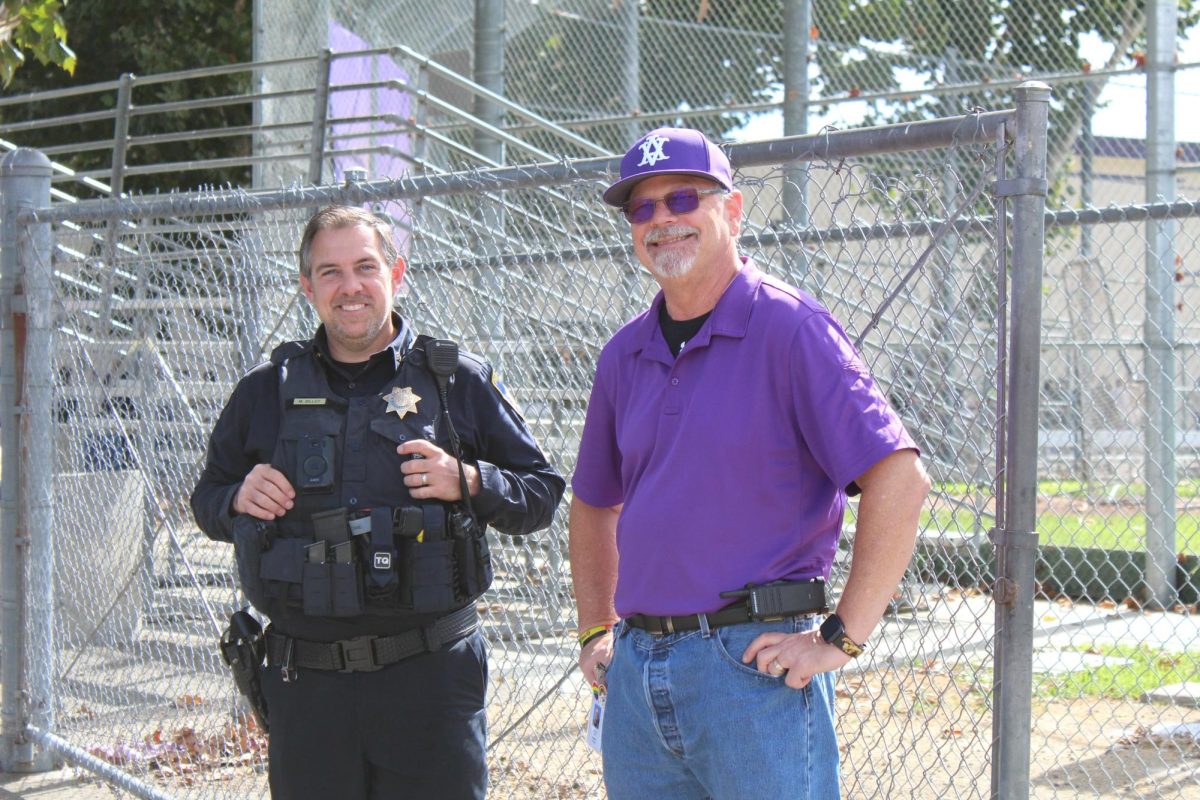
pixel 358 654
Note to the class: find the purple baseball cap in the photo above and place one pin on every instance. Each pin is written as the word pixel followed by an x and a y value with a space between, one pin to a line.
pixel 669 151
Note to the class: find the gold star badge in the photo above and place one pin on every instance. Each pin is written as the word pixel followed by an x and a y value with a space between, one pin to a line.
pixel 401 400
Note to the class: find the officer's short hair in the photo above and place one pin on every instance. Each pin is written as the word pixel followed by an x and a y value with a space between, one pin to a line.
pixel 334 217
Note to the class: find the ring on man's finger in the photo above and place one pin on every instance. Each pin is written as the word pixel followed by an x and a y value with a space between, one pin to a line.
pixel 775 668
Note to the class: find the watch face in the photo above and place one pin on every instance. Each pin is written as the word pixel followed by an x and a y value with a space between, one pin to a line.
pixel 833 631
pixel 832 628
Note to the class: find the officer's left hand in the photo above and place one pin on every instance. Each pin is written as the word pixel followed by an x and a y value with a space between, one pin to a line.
pixel 432 473
pixel 800 655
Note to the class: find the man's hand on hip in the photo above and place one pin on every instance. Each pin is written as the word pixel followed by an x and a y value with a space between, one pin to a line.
pixel 797 656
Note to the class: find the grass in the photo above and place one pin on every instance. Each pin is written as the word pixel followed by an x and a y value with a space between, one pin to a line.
pixel 1185 489
pixel 1118 524
pixel 1114 531
pixel 1149 669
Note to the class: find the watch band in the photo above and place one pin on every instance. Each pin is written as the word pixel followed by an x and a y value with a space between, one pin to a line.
pixel 833 631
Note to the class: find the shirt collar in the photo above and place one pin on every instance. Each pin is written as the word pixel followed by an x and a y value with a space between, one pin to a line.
pixel 730 317
pixel 398 347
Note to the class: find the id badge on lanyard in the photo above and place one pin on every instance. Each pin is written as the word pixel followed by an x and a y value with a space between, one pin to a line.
pixel 595 722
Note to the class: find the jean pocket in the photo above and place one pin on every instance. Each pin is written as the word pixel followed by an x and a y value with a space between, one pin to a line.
pixel 731 642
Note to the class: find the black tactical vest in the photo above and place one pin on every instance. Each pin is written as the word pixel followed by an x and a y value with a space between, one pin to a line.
pixel 355 542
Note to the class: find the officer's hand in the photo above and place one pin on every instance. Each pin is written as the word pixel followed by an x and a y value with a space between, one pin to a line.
pixel 433 473
pixel 265 493
pixel 796 656
pixel 597 651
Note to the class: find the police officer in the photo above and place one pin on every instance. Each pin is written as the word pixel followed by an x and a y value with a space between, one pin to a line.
pixel 360 534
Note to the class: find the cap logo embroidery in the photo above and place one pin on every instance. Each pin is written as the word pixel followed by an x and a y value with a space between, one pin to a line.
pixel 652 150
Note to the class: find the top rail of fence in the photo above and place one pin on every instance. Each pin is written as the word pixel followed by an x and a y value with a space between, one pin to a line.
pixel 970 129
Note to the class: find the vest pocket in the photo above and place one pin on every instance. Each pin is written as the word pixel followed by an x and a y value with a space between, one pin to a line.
pixel 399 431
pixel 428 580
pixel 347 590
pixel 473 560
pixel 249 536
pixel 317 587
pixel 281 569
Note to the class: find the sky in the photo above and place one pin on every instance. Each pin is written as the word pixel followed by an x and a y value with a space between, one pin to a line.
pixel 1121 110
pixel 1124 98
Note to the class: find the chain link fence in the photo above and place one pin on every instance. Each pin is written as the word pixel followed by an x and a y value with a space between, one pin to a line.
pixel 391 96
pixel 149 308
pixel 158 305
pixel 1114 703
pixel 611 69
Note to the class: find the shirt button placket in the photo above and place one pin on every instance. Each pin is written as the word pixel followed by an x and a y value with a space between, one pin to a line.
pixel 672 403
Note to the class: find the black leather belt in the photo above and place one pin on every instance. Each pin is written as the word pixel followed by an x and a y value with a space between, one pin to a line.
pixel 660 626
pixel 369 653
pixel 733 615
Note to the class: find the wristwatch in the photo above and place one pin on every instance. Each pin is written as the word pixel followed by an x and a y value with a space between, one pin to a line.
pixel 833 631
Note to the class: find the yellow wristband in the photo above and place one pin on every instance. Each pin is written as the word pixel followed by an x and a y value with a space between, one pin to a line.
pixel 592 633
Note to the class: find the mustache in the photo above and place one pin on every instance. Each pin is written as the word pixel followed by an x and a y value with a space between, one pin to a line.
pixel 668 232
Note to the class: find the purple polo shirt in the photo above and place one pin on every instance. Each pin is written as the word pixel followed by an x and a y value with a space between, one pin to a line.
pixel 731 461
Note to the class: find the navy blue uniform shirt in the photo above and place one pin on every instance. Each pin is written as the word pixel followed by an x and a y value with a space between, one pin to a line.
pixel 519 489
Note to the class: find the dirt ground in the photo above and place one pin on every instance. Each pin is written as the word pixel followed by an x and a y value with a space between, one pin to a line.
pixel 1090 747
pixel 923 734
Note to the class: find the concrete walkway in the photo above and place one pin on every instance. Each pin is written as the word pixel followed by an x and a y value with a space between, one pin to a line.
pixel 63 784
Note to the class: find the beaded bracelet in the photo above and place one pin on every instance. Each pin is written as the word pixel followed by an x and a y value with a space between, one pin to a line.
pixel 595 632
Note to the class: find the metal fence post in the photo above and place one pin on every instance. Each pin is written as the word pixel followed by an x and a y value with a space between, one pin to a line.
pixel 1016 543
pixel 26 512
pixel 121 134
pixel 490 223
pixel 797 22
pixel 489 73
pixel 257 87
pixel 1159 330
pixel 316 158
pixel 632 78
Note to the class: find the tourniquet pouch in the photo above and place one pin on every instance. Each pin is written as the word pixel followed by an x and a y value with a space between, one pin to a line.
pixel 378 554
pixel 382 597
pixel 281 568
pixel 249 537
pixel 429 575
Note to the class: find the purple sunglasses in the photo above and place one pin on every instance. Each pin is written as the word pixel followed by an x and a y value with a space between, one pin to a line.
pixel 680 201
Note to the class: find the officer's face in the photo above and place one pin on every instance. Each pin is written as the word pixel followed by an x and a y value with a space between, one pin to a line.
pixel 672 245
pixel 352 290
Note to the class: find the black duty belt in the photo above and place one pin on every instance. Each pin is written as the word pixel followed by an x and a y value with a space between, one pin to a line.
pixel 369 653
pixel 809 598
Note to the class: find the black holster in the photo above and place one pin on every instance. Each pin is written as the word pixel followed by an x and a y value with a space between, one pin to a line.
pixel 244 650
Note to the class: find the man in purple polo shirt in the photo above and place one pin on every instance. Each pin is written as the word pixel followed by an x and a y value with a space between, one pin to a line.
pixel 726 426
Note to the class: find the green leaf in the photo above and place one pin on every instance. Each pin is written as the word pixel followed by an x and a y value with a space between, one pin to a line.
pixel 10 59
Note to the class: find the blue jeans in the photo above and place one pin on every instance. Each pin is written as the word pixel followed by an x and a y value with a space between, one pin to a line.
pixel 685 718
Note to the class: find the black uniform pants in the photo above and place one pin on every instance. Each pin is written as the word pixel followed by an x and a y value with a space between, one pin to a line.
pixel 415 729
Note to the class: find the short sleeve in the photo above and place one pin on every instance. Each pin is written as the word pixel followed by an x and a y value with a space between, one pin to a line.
pixel 844 416
pixel 597 478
